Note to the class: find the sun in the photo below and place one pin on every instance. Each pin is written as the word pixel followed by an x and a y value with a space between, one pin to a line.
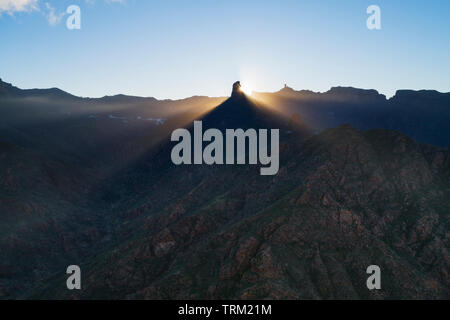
pixel 248 90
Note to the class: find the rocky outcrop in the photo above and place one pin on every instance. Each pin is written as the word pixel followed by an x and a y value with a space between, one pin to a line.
pixel 236 90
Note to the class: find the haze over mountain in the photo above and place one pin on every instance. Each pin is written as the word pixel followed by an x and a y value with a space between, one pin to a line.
pixel 423 115
pixel 90 182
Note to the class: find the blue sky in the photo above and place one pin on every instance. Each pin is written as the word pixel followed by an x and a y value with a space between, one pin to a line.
pixel 175 49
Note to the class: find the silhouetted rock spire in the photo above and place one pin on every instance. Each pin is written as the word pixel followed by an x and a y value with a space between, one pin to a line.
pixel 237 91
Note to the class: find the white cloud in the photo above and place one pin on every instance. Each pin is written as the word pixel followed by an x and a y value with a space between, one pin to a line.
pixel 53 17
pixel 11 6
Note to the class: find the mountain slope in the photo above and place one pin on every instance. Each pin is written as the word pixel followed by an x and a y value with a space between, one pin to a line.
pixel 337 206
pixel 102 193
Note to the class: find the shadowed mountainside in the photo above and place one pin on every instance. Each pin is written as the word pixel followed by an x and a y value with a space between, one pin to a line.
pixel 342 201
pixel 90 182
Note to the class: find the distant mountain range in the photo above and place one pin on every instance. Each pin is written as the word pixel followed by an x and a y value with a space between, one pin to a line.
pixel 81 187
pixel 423 115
